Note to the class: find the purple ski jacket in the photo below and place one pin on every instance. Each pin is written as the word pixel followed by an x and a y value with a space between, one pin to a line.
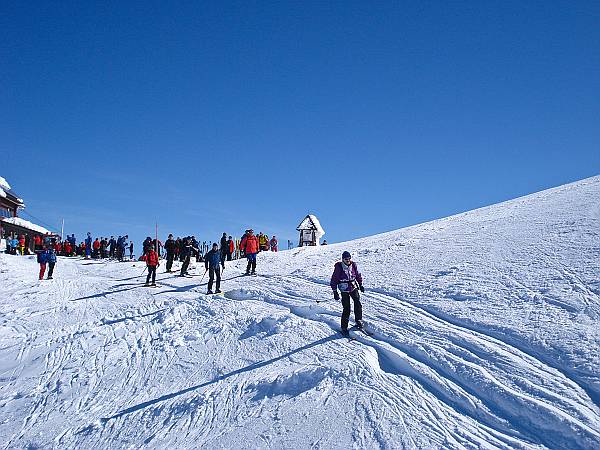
pixel 344 282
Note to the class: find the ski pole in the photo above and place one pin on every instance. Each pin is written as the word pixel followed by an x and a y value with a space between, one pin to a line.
pixel 143 271
pixel 203 276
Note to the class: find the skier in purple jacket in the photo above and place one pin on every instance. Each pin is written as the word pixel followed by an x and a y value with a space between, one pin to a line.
pixel 348 280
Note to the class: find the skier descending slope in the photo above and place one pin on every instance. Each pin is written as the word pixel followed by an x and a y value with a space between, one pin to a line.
pixel 211 262
pixel 249 246
pixel 348 280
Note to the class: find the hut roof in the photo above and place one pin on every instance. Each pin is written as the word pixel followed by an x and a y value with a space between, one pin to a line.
pixel 7 193
pixel 311 222
pixel 26 224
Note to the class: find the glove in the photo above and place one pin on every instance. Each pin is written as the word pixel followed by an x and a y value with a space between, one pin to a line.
pixel 361 287
pixel 336 295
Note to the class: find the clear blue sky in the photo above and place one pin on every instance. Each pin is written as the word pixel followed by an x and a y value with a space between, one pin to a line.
pixel 218 116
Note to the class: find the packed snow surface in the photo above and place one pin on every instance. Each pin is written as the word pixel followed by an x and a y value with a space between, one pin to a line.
pixel 486 335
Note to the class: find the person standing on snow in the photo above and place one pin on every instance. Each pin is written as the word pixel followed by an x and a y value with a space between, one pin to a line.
pixel 22 245
pixel 111 247
pixel 230 248
pixel 249 246
pixel 273 244
pixel 51 259
pixel 42 259
pixel 224 247
pixel 263 242
pixel 123 248
pixel 186 255
pixel 152 263
pixel 131 250
pixel 170 249
pixel 242 253
pixel 88 245
pixel 212 259
pixel 348 280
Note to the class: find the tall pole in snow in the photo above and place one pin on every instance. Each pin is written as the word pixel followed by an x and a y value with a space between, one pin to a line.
pixel 62 229
pixel 156 237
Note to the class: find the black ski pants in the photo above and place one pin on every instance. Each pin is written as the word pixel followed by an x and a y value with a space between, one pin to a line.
pixel 211 276
pixel 170 258
pixel 186 264
pixel 50 269
pixel 355 294
pixel 151 272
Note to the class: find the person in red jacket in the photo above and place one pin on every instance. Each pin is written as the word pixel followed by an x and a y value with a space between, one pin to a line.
pixel 230 249
pixel 96 247
pixel 21 244
pixel 152 263
pixel 37 242
pixel 68 248
pixel 273 244
pixel 250 246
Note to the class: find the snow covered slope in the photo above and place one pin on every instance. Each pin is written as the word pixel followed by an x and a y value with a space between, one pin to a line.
pixel 486 335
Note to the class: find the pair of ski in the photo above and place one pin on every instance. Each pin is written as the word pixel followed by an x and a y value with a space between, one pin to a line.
pixel 350 337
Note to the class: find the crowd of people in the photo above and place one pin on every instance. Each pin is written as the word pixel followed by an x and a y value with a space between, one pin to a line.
pixel 346 278
pixel 184 249
pixel 98 248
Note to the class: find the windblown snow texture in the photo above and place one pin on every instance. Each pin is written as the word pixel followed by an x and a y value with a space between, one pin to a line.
pixel 486 335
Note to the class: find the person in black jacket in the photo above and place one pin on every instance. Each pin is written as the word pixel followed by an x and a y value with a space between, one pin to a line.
pixel 170 249
pixel 186 255
pixel 211 262
pixel 224 247
pixel 146 245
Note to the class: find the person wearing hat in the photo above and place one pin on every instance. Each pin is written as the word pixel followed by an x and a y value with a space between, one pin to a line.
pixel 250 247
pixel 151 263
pixel 88 246
pixel 186 255
pixel 224 248
pixel 212 261
pixel 170 245
pixel 42 259
pixel 348 280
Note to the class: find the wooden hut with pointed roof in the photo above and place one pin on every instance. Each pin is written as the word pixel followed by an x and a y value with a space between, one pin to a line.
pixel 310 231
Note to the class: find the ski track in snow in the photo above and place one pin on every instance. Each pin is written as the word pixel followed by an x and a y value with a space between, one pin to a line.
pixel 485 335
